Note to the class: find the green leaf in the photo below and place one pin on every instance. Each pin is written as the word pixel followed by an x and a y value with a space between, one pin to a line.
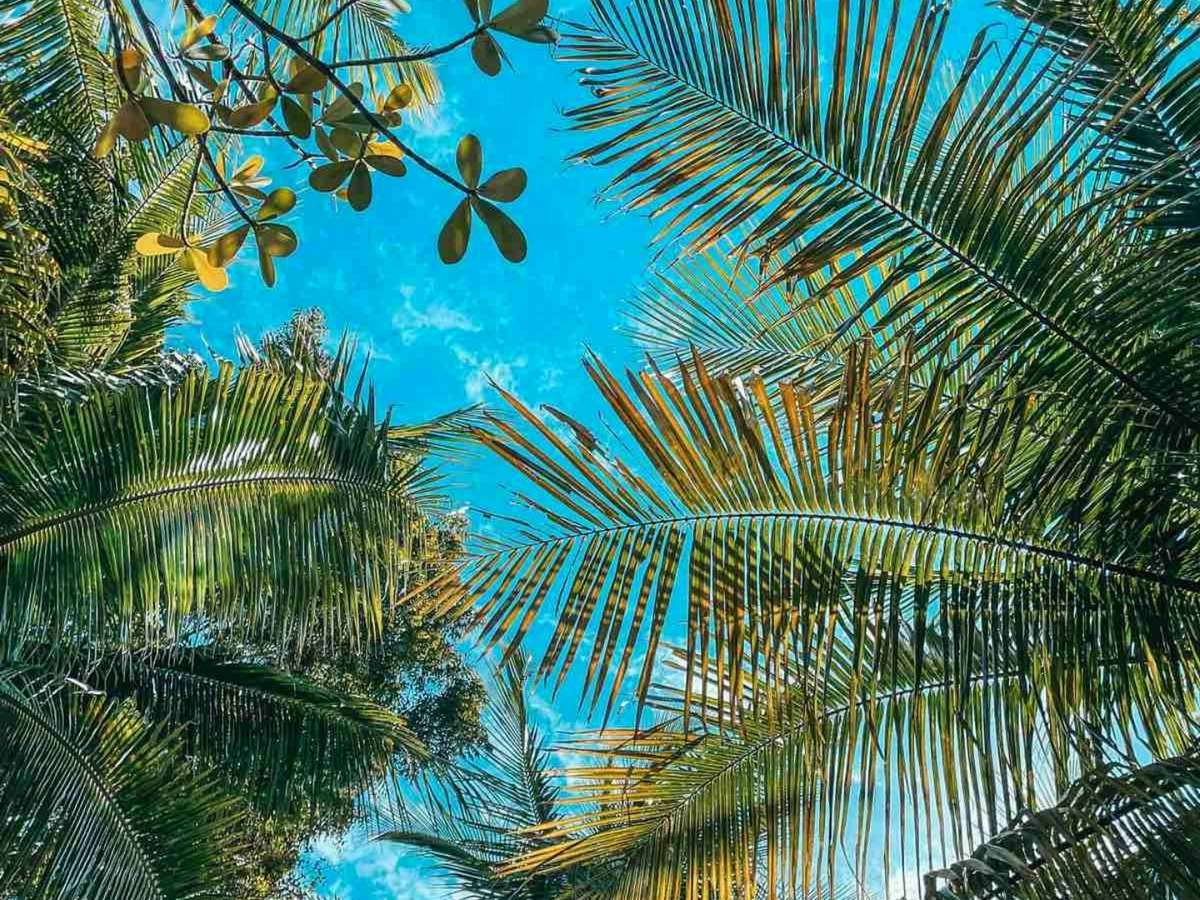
pixel 346 141
pixel 359 192
pixel 308 80
pixel 505 186
pixel 470 159
pixel 452 241
pixel 342 106
pixel 97 804
pixel 521 17
pixel 325 145
pixel 508 237
pixel 250 114
pixel 226 247
pixel 296 117
pixel 279 201
pixel 329 177
pixel 486 54
pixel 277 240
pixel 389 165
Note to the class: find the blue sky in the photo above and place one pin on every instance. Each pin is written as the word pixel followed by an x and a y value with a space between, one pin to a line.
pixel 438 333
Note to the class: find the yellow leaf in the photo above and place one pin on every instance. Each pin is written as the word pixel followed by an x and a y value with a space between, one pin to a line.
pixel 201 29
pixel 455 234
pixel 183 117
pixel 384 148
pixel 278 202
pixel 508 237
pixel 330 176
pixel 486 54
pixel 399 97
pixel 212 277
pixel 359 192
pixel 106 140
pixel 155 244
pixel 249 168
pixel 470 159
pixel 128 67
pixel 505 186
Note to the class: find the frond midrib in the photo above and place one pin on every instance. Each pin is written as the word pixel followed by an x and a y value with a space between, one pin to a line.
pixel 100 509
pixel 1100 565
pixel 98 783
pixel 947 246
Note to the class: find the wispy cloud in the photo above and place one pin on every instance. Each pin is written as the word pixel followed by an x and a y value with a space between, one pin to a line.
pixel 410 320
pixel 481 370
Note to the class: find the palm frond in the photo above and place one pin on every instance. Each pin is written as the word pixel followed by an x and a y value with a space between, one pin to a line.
pixel 470 836
pixel 1118 832
pixel 96 804
pixel 920 745
pixel 985 208
pixel 763 514
pixel 1134 59
pixel 284 741
pixel 235 499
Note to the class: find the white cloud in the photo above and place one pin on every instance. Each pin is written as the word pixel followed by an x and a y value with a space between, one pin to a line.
pixel 381 868
pixel 410 320
pixel 482 370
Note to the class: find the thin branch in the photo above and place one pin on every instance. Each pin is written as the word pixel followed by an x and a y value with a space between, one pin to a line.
pixel 413 57
pixel 299 50
pixel 327 21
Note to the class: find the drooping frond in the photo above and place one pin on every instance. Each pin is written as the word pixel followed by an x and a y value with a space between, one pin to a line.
pixel 238 500
pixel 708 305
pixel 1119 832
pixel 915 742
pixel 284 741
pixel 765 512
pixel 94 803
pixel 814 134
pixel 469 838
pixel 1136 62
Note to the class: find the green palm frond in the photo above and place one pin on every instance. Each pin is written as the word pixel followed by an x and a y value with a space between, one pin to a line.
pixel 1119 832
pixel 1135 61
pixel 285 742
pixel 918 744
pixel 764 513
pixel 816 136
pixel 709 305
pixel 55 70
pixel 470 836
pixel 235 499
pixel 96 804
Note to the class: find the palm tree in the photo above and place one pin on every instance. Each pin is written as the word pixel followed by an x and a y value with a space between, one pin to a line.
pixel 172 540
pixel 915 488
pixel 469 830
